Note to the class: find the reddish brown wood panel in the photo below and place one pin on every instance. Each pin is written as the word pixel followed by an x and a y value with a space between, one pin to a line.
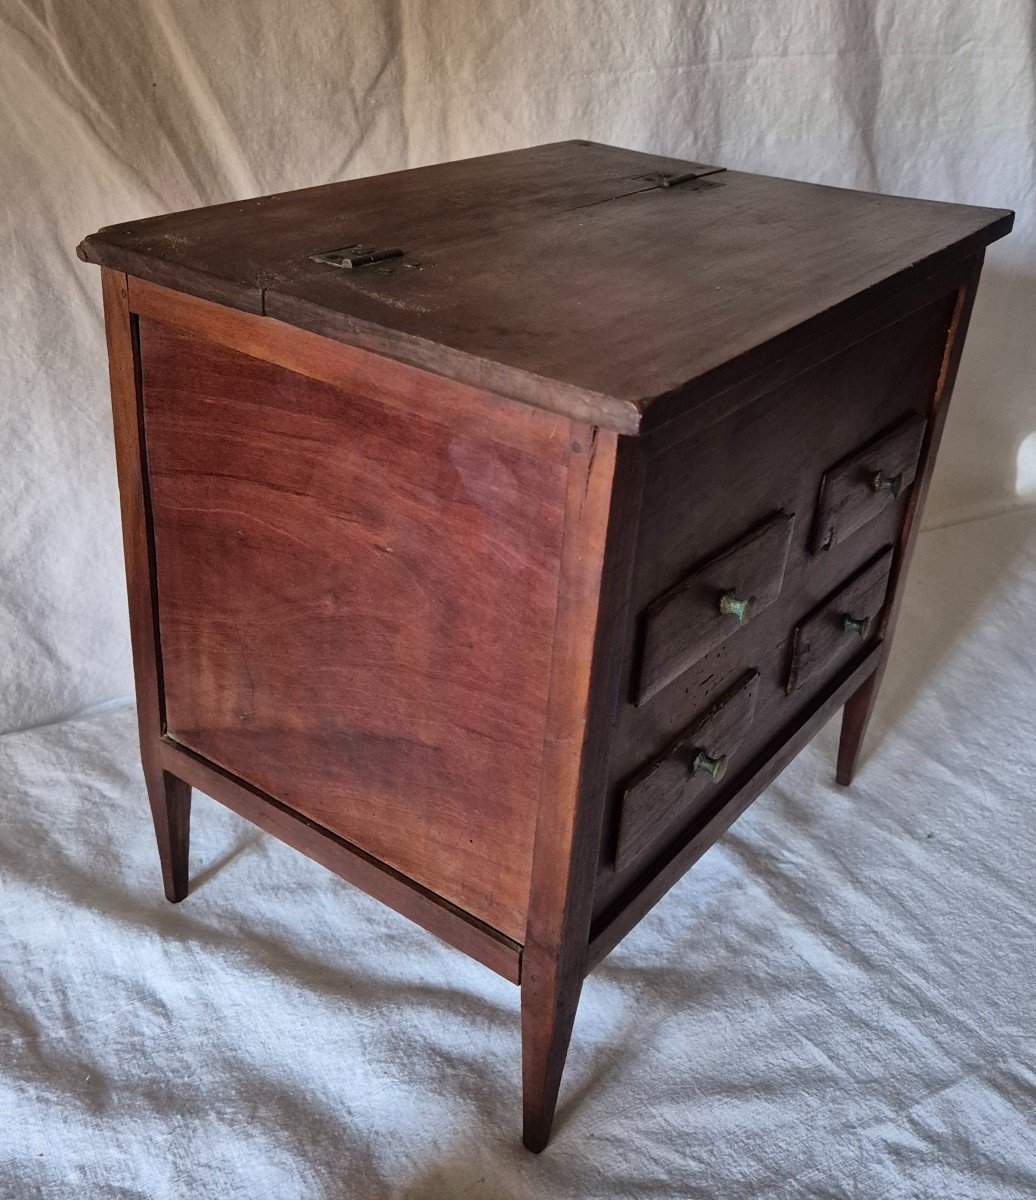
pixel 356 606
pixel 444 920
pixel 133 500
pixel 568 827
pixel 169 797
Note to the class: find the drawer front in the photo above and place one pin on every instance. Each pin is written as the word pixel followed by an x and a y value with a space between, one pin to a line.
pixel 686 776
pixel 712 604
pixel 701 495
pixel 836 631
pixel 858 488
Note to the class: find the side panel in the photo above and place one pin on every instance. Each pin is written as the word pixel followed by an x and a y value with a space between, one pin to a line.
pixel 356 601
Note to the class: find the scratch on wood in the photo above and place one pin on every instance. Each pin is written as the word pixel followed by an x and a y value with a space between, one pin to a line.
pixel 589 465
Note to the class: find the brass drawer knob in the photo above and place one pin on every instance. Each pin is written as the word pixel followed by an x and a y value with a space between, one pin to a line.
pixel 851 625
pixel 731 606
pixel 887 483
pixel 713 767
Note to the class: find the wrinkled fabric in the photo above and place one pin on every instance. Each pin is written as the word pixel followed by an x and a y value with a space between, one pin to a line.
pixel 837 1001
pixel 117 109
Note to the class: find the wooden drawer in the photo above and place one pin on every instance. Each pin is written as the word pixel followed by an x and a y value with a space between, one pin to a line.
pixel 836 631
pixel 683 779
pixel 712 603
pixel 858 488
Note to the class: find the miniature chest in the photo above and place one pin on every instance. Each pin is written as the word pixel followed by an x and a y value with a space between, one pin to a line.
pixel 496 531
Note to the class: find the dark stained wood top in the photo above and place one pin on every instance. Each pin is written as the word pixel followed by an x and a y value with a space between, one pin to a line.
pixel 566 276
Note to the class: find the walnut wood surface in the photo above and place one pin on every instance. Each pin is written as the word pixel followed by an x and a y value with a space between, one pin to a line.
pixel 455 927
pixel 398 386
pixel 688 621
pixel 134 499
pixel 860 706
pixel 168 796
pixel 721 392
pixel 612 922
pixel 821 642
pixel 356 607
pixel 658 263
pixel 527 237
pixel 703 492
pixel 670 788
pixel 849 492
pixel 568 827
pixel 399 621
pixel 233 253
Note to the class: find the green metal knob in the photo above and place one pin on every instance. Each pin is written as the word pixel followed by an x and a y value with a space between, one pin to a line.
pixel 713 767
pixel 852 625
pixel 887 483
pixel 731 606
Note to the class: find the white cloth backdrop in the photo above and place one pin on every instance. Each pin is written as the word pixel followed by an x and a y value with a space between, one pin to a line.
pixel 835 1004
pixel 116 109
pixel 142 1045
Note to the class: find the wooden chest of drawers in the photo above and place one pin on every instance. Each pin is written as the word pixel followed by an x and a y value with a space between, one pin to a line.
pixel 497 531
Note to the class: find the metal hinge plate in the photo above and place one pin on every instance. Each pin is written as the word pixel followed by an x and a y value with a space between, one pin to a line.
pixel 352 257
pixel 668 181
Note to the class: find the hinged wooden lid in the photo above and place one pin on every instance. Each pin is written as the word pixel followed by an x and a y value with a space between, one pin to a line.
pixel 604 277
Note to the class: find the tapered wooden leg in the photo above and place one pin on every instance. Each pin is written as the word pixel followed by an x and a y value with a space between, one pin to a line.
pixel 550 996
pixel 602 514
pixel 856 716
pixel 170 797
pixel 171 809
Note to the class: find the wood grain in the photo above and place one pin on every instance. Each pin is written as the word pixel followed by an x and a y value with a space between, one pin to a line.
pixel 658 263
pixel 356 606
pixel 168 796
pixel 822 641
pixel 689 620
pixel 860 706
pixel 702 492
pixel 233 253
pixel 670 788
pixel 756 267
pixel 398 386
pixel 723 391
pixel 852 492
pixel 454 926
pixel 603 496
